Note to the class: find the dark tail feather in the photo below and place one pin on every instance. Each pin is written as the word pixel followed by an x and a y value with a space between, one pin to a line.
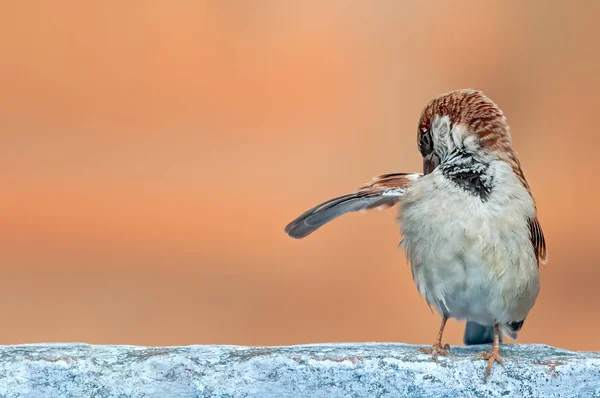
pixel 477 334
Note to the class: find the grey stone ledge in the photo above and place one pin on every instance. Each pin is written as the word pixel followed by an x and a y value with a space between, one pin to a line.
pixel 323 370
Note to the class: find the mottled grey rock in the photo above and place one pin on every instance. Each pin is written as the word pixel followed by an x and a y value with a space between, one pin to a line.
pixel 327 370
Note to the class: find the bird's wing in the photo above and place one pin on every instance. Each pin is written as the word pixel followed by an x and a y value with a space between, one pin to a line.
pixel 537 240
pixel 535 229
pixel 384 191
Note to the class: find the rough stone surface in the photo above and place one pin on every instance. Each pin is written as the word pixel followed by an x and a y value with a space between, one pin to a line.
pixel 328 370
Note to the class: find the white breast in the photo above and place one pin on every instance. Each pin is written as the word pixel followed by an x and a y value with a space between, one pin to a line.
pixel 472 259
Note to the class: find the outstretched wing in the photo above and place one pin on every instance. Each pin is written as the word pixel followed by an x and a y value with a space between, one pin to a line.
pixel 384 191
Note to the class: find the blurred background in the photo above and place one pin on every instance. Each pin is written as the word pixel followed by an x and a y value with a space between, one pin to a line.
pixel 152 152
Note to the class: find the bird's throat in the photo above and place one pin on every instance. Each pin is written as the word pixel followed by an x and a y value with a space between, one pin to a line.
pixel 469 174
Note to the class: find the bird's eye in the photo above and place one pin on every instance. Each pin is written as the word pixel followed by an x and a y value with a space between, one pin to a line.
pixel 425 144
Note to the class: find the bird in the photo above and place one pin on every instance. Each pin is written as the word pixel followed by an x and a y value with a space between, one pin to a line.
pixel 469 221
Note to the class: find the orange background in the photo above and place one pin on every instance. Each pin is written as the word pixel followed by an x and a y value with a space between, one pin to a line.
pixel 152 152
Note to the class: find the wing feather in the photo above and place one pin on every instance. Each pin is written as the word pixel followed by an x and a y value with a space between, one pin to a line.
pixel 537 240
pixel 535 229
pixel 384 191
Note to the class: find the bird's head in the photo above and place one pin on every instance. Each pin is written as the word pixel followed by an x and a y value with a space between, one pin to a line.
pixel 462 121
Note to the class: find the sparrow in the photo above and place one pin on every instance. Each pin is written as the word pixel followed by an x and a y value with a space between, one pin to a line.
pixel 469 221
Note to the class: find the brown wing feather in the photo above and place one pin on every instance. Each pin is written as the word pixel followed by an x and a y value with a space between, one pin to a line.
pixel 384 191
pixel 537 240
pixel 535 229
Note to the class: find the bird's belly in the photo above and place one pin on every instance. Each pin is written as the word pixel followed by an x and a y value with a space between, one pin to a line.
pixel 471 265
pixel 475 292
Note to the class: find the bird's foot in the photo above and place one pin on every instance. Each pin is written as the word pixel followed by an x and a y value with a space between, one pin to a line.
pixel 491 357
pixel 435 350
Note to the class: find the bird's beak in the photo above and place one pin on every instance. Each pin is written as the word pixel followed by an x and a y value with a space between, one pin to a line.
pixel 430 162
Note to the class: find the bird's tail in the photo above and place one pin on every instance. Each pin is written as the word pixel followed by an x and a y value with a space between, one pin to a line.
pixel 478 334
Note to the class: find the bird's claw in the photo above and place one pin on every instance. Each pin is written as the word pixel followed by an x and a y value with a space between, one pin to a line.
pixel 435 350
pixel 491 357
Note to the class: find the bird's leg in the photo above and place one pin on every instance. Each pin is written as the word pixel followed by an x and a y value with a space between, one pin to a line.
pixel 493 355
pixel 437 348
